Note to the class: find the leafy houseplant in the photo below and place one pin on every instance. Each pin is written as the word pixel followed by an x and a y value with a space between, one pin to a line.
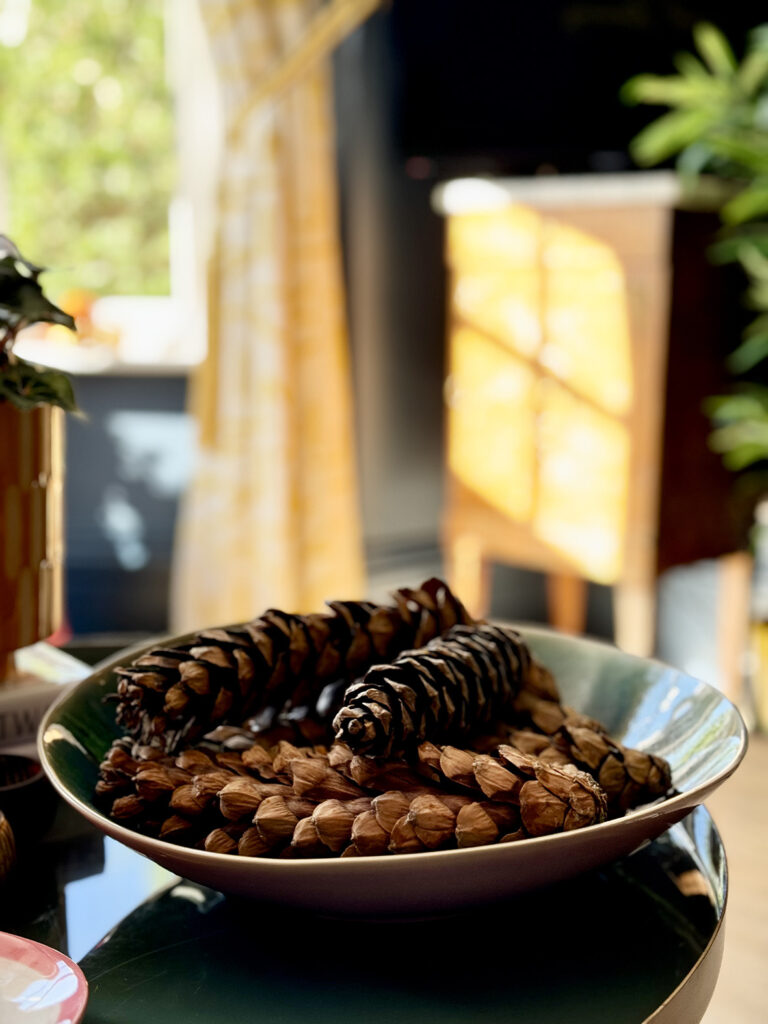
pixel 22 303
pixel 32 404
pixel 717 129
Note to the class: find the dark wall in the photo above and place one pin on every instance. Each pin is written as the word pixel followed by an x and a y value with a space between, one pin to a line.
pixel 395 286
pixel 510 87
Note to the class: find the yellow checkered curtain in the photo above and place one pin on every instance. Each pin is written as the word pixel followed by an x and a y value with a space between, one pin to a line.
pixel 272 517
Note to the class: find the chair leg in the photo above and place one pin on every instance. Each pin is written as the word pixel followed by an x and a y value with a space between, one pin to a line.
pixel 567 602
pixel 469 574
pixel 634 617
pixel 734 581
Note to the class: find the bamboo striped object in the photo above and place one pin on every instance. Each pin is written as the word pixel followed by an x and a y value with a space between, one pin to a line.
pixel 7 847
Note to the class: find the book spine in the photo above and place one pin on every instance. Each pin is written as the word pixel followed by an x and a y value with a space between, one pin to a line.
pixel 21 712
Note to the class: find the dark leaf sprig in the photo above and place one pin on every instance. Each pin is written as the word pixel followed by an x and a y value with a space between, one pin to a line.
pixel 27 386
pixel 22 303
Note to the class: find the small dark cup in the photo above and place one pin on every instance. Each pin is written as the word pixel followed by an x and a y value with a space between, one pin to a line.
pixel 27 798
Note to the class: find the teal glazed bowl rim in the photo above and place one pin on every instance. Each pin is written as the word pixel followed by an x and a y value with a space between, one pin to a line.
pixel 642 702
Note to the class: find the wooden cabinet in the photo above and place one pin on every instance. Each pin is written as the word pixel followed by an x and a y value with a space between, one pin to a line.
pixel 565 333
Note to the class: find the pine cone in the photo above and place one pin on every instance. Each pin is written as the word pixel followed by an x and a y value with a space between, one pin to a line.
pixel 550 797
pixel 398 822
pixel 629 777
pixel 460 683
pixel 170 696
pixel 547 800
pixel 283 801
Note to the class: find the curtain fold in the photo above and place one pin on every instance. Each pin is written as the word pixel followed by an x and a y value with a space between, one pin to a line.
pixel 271 517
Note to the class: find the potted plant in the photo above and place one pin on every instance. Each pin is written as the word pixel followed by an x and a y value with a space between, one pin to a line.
pixel 716 128
pixel 33 401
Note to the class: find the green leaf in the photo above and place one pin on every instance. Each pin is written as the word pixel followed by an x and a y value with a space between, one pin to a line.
pixel 741 426
pixel 758 38
pixel 753 72
pixel 754 262
pixel 669 134
pixel 27 386
pixel 752 351
pixel 9 252
pixel 741 445
pixel 744 147
pixel 728 248
pixel 22 301
pixel 694 159
pixel 59 388
pixel 750 203
pixel 674 91
pixel 757 295
pixel 758 326
pixel 714 49
pixel 9 393
pixel 741 405
pixel 744 455
pixel 690 66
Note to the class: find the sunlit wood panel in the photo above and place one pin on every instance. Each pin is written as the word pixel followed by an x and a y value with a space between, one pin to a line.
pixel 491 424
pixel 488 238
pixel 587 340
pixel 541 382
pixel 583 477
pixel 505 304
pixel 499 289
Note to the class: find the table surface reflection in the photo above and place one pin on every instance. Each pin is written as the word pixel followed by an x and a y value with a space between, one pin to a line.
pixel 609 946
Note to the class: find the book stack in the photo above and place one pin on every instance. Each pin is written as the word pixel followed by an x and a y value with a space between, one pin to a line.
pixel 42 672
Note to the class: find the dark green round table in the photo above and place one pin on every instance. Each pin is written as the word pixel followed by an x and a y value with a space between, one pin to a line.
pixel 640 940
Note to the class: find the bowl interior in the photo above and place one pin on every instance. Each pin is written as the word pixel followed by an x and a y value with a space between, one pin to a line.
pixel 648 705
pixel 643 703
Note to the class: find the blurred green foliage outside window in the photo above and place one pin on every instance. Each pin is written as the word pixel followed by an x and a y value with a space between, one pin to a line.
pixel 86 141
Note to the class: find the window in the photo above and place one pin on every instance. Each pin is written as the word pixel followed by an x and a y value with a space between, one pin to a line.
pixel 88 172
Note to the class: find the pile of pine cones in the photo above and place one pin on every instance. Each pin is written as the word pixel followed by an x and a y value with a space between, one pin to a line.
pixel 365 731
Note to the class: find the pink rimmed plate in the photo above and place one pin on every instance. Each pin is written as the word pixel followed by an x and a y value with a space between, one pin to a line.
pixel 39 984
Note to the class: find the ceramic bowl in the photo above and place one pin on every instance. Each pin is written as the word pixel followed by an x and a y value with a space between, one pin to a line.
pixel 643 704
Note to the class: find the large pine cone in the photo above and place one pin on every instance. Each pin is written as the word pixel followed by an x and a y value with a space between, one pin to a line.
pixel 460 683
pixel 277 664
